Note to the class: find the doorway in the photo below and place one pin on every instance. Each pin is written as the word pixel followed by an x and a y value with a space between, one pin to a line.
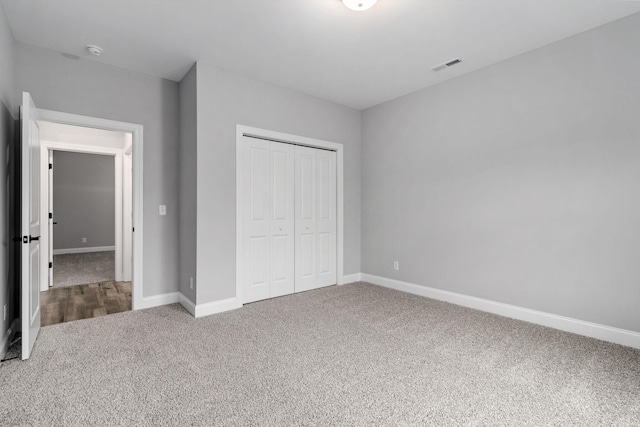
pixel 32 221
pixel 86 202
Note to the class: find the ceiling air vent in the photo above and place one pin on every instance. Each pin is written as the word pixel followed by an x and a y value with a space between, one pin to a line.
pixel 447 64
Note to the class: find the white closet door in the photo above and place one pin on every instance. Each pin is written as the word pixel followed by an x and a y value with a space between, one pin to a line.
pixel 283 221
pixel 305 201
pixel 315 218
pixel 326 217
pixel 257 224
pixel 268 219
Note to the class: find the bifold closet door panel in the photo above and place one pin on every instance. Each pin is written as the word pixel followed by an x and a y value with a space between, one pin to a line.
pixel 305 212
pixel 268 219
pixel 315 218
pixel 283 220
pixel 326 217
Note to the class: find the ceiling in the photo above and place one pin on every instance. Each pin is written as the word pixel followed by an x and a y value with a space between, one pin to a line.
pixel 318 47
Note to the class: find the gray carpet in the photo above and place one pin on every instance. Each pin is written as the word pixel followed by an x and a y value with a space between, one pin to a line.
pixel 80 269
pixel 351 355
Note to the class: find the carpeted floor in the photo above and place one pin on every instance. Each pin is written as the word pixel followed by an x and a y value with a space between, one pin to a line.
pixel 351 355
pixel 80 269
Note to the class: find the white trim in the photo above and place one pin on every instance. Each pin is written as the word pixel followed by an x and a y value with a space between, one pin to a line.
pixel 195 310
pixel 162 299
pixel 6 338
pixel 580 327
pixel 48 147
pixel 241 131
pixel 137 132
pixel 83 250
pixel 215 307
pixel 350 278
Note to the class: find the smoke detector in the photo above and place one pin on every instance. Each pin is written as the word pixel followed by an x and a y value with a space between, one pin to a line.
pixel 447 64
pixel 359 5
pixel 94 50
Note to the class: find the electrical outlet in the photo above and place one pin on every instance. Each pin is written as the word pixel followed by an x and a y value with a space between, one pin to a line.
pixel 84 240
pixel 396 265
pixel 190 282
pixel 162 209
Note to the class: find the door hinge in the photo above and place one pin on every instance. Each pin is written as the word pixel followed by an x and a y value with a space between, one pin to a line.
pixel 133 229
pixel 50 165
pixel 50 215
pixel 50 265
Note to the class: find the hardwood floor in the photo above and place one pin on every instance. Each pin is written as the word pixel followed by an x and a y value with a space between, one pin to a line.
pixel 84 301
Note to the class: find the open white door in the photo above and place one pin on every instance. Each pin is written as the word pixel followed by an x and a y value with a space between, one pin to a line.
pixel 50 221
pixel 30 193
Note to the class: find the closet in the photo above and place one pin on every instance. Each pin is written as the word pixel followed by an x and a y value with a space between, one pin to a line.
pixel 288 199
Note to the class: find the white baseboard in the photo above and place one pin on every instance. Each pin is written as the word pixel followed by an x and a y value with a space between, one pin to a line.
pixel 215 307
pixel 350 278
pixel 83 250
pixel 199 310
pixel 162 299
pixel 593 330
pixel 6 338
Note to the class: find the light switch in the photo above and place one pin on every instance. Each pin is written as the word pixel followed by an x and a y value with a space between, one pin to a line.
pixel 163 209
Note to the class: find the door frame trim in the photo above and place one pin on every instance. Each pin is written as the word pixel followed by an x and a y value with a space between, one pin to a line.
pixel 137 132
pixel 242 131
pixel 117 154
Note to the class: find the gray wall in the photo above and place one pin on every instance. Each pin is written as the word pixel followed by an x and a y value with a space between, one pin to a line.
pixel 226 99
pixel 84 205
pixel 7 114
pixel 188 183
pixel 517 183
pixel 89 88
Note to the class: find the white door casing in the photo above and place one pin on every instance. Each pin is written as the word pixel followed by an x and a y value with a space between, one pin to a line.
pixel 135 192
pixel 31 224
pixel 268 219
pixel 123 203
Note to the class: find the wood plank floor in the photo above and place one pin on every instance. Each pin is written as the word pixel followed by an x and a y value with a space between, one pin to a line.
pixel 84 301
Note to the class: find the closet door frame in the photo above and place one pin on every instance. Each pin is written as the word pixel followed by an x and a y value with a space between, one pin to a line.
pixel 247 131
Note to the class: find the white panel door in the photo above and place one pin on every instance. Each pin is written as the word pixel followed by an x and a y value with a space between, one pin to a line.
pixel 306 215
pixel 315 218
pixel 268 219
pixel 326 218
pixel 257 224
pixel 30 220
pixel 282 219
pixel 50 222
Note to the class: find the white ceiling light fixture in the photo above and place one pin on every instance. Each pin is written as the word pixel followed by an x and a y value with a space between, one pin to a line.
pixel 359 5
pixel 94 50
